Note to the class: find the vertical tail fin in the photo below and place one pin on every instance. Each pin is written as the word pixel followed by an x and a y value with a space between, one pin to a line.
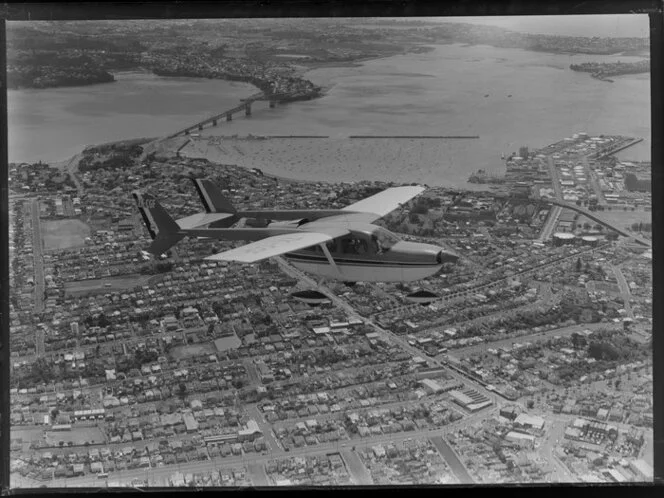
pixel 167 232
pixel 211 197
pixel 147 218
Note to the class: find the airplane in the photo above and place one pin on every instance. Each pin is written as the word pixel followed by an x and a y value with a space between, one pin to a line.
pixel 333 244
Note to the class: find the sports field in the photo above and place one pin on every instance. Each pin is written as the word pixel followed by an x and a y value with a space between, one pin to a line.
pixel 623 219
pixel 105 285
pixel 64 234
pixel 180 352
pixel 226 343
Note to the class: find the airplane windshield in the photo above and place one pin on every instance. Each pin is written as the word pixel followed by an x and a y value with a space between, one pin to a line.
pixel 384 239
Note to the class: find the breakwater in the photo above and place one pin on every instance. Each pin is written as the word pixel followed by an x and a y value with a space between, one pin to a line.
pixel 417 136
pixel 297 136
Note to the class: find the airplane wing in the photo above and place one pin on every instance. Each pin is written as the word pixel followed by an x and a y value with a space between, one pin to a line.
pixel 276 245
pixel 383 202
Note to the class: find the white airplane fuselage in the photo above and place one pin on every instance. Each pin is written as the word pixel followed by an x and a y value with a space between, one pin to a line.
pixel 364 273
pixel 367 261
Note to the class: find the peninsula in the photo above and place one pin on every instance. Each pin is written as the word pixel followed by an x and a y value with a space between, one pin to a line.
pixel 602 70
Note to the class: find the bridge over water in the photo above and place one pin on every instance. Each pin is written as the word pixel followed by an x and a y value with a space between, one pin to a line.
pixel 228 114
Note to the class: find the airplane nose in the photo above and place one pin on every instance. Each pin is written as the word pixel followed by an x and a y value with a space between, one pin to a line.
pixel 446 257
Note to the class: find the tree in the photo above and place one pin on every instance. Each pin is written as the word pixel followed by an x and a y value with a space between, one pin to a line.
pixel 631 182
pixel 42 370
pixel 579 265
pixel 103 321
pixel 603 351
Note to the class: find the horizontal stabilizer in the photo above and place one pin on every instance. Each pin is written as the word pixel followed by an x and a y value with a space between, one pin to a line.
pixel 164 242
pixel 202 219
pixel 154 215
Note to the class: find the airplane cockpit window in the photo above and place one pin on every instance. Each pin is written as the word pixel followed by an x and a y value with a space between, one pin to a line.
pixel 353 245
pixel 315 249
pixel 383 240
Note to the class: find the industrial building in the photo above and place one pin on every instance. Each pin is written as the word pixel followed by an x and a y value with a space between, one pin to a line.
pixel 563 238
pixel 529 421
pixel 641 469
pixel 470 399
pixel 590 240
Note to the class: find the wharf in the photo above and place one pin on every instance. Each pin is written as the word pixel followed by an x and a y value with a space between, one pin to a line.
pixel 618 148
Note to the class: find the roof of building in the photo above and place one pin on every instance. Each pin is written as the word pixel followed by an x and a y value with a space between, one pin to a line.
pixel 460 397
pixel 514 435
pixel 533 421
pixel 643 467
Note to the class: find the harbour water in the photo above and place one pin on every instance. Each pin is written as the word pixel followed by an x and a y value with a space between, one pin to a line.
pixel 605 25
pixel 509 97
pixel 55 123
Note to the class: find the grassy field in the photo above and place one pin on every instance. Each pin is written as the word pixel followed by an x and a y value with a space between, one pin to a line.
pixel 622 218
pixel 605 287
pixel 99 285
pixel 64 234
pixel 226 343
pixel 180 352
pixel 77 434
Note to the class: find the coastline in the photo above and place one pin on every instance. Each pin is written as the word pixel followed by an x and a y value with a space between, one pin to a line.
pixel 327 160
pixel 308 162
pixel 62 85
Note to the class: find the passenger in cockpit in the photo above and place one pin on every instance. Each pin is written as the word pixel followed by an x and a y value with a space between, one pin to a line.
pixel 376 245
